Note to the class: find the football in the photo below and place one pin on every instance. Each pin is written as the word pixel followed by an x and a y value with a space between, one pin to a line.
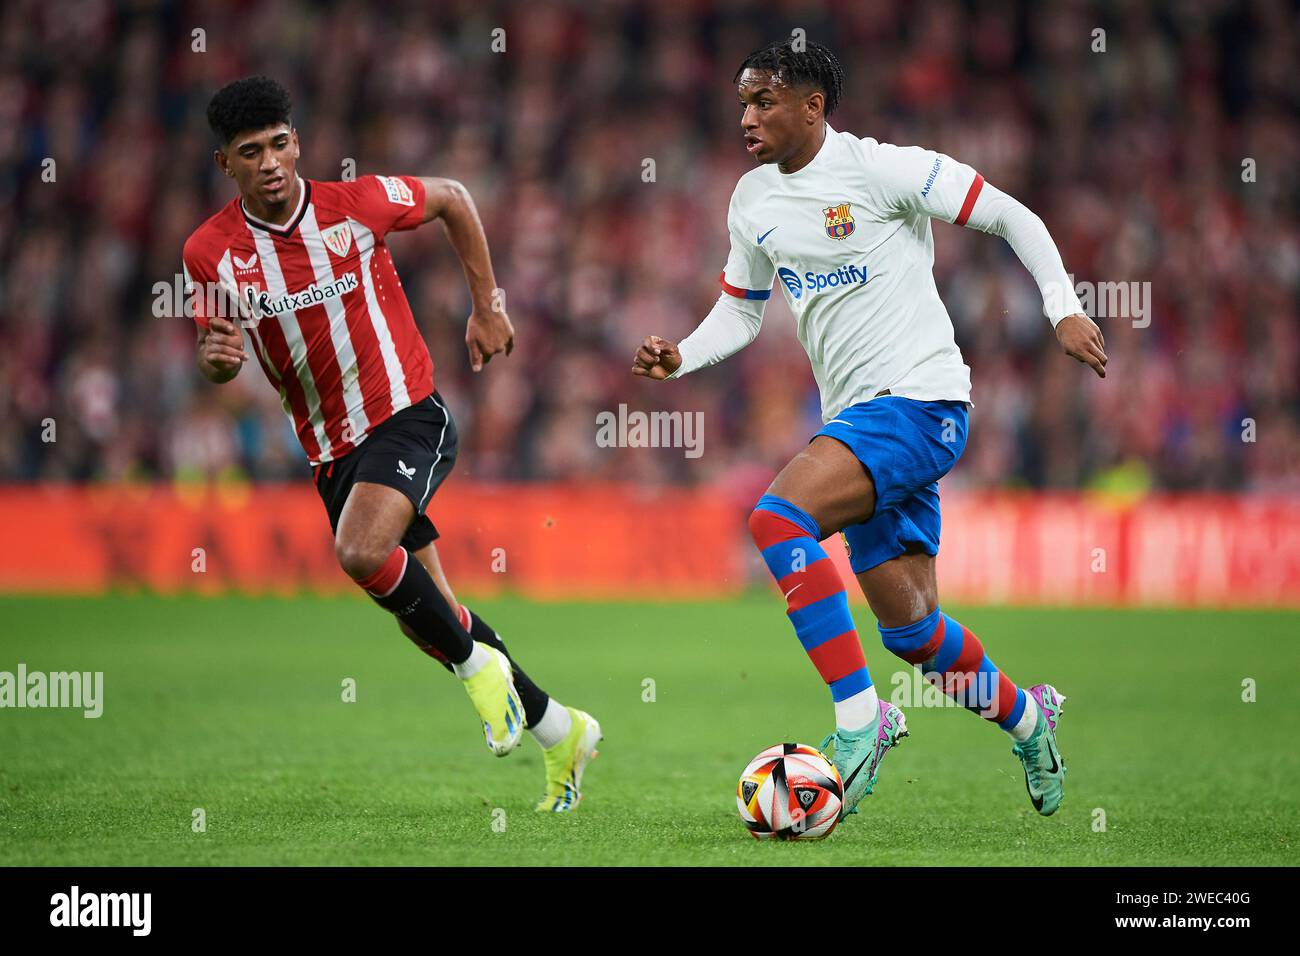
pixel 790 792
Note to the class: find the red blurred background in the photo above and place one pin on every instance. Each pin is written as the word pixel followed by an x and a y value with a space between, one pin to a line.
pixel 1133 157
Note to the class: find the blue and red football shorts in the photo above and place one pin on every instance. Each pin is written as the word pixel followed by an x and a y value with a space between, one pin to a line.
pixel 907 446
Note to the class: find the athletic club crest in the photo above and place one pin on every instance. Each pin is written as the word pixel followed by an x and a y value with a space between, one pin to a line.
pixel 338 239
pixel 839 222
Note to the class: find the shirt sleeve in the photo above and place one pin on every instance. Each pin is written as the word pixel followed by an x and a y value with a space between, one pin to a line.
pixel 200 289
pixel 388 203
pixel 998 214
pixel 912 180
pixel 731 324
pixel 916 181
pixel 748 273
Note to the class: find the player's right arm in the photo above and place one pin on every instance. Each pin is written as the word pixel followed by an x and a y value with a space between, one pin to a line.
pixel 732 323
pixel 221 350
pixel 221 344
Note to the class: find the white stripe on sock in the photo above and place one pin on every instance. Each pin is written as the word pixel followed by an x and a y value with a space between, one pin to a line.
pixel 1024 727
pixel 859 711
pixel 477 660
pixel 554 726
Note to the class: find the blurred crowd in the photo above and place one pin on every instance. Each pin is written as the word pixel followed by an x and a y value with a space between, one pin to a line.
pixel 1162 149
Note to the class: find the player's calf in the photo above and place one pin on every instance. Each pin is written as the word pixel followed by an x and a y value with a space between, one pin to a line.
pixel 952 658
pixel 817 606
pixel 404 586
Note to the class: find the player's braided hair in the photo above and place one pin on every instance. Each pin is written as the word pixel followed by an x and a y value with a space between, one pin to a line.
pixel 812 66
pixel 255 102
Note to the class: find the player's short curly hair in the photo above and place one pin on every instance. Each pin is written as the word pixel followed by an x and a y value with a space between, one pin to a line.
pixel 814 65
pixel 255 102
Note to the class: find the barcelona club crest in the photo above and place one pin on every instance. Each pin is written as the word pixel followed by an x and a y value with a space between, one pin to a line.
pixel 839 223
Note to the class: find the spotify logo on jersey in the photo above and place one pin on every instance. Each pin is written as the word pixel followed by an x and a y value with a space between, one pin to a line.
pixel 791 282
pixel 851 275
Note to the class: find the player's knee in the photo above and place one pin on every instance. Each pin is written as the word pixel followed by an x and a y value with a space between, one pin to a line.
pixel 359 560
pixel 429 649
pixel 775 519
pixel 759 522
pixel 910 635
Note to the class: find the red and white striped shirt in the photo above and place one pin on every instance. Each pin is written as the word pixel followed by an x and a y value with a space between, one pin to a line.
pixel 322 303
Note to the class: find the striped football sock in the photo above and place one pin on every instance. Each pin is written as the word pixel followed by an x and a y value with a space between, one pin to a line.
pixel 952 658
pixel 534 699
pixel 404 587
pixel 817 606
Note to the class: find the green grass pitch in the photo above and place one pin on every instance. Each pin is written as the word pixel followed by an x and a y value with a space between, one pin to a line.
pixel 234 705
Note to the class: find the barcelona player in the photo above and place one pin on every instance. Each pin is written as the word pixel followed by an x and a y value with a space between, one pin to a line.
pixel 302 266
pixel 845 224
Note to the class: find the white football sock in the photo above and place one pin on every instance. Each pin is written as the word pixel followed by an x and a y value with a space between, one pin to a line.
pixel 859 711
pixel 1024 728
pixel 554 726
pixel 477 660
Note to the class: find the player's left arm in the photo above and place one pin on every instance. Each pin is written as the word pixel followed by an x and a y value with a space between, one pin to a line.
pixel 488 331
pixel 912 181
pixel 999 214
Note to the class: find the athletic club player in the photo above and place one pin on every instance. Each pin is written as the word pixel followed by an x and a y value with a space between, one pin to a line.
pixel 845 224
pixel 302 264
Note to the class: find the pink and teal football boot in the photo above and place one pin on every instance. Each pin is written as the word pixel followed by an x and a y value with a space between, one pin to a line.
pixel 1044 768
pixel 857 754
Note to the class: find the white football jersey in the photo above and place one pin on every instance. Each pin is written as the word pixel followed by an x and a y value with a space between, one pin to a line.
pixel 849 238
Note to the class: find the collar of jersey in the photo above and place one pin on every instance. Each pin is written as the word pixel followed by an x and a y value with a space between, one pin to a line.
pixel 812 163
pixel 304 198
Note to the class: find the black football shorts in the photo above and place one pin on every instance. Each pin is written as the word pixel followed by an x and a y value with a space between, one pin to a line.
pixel 413 451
